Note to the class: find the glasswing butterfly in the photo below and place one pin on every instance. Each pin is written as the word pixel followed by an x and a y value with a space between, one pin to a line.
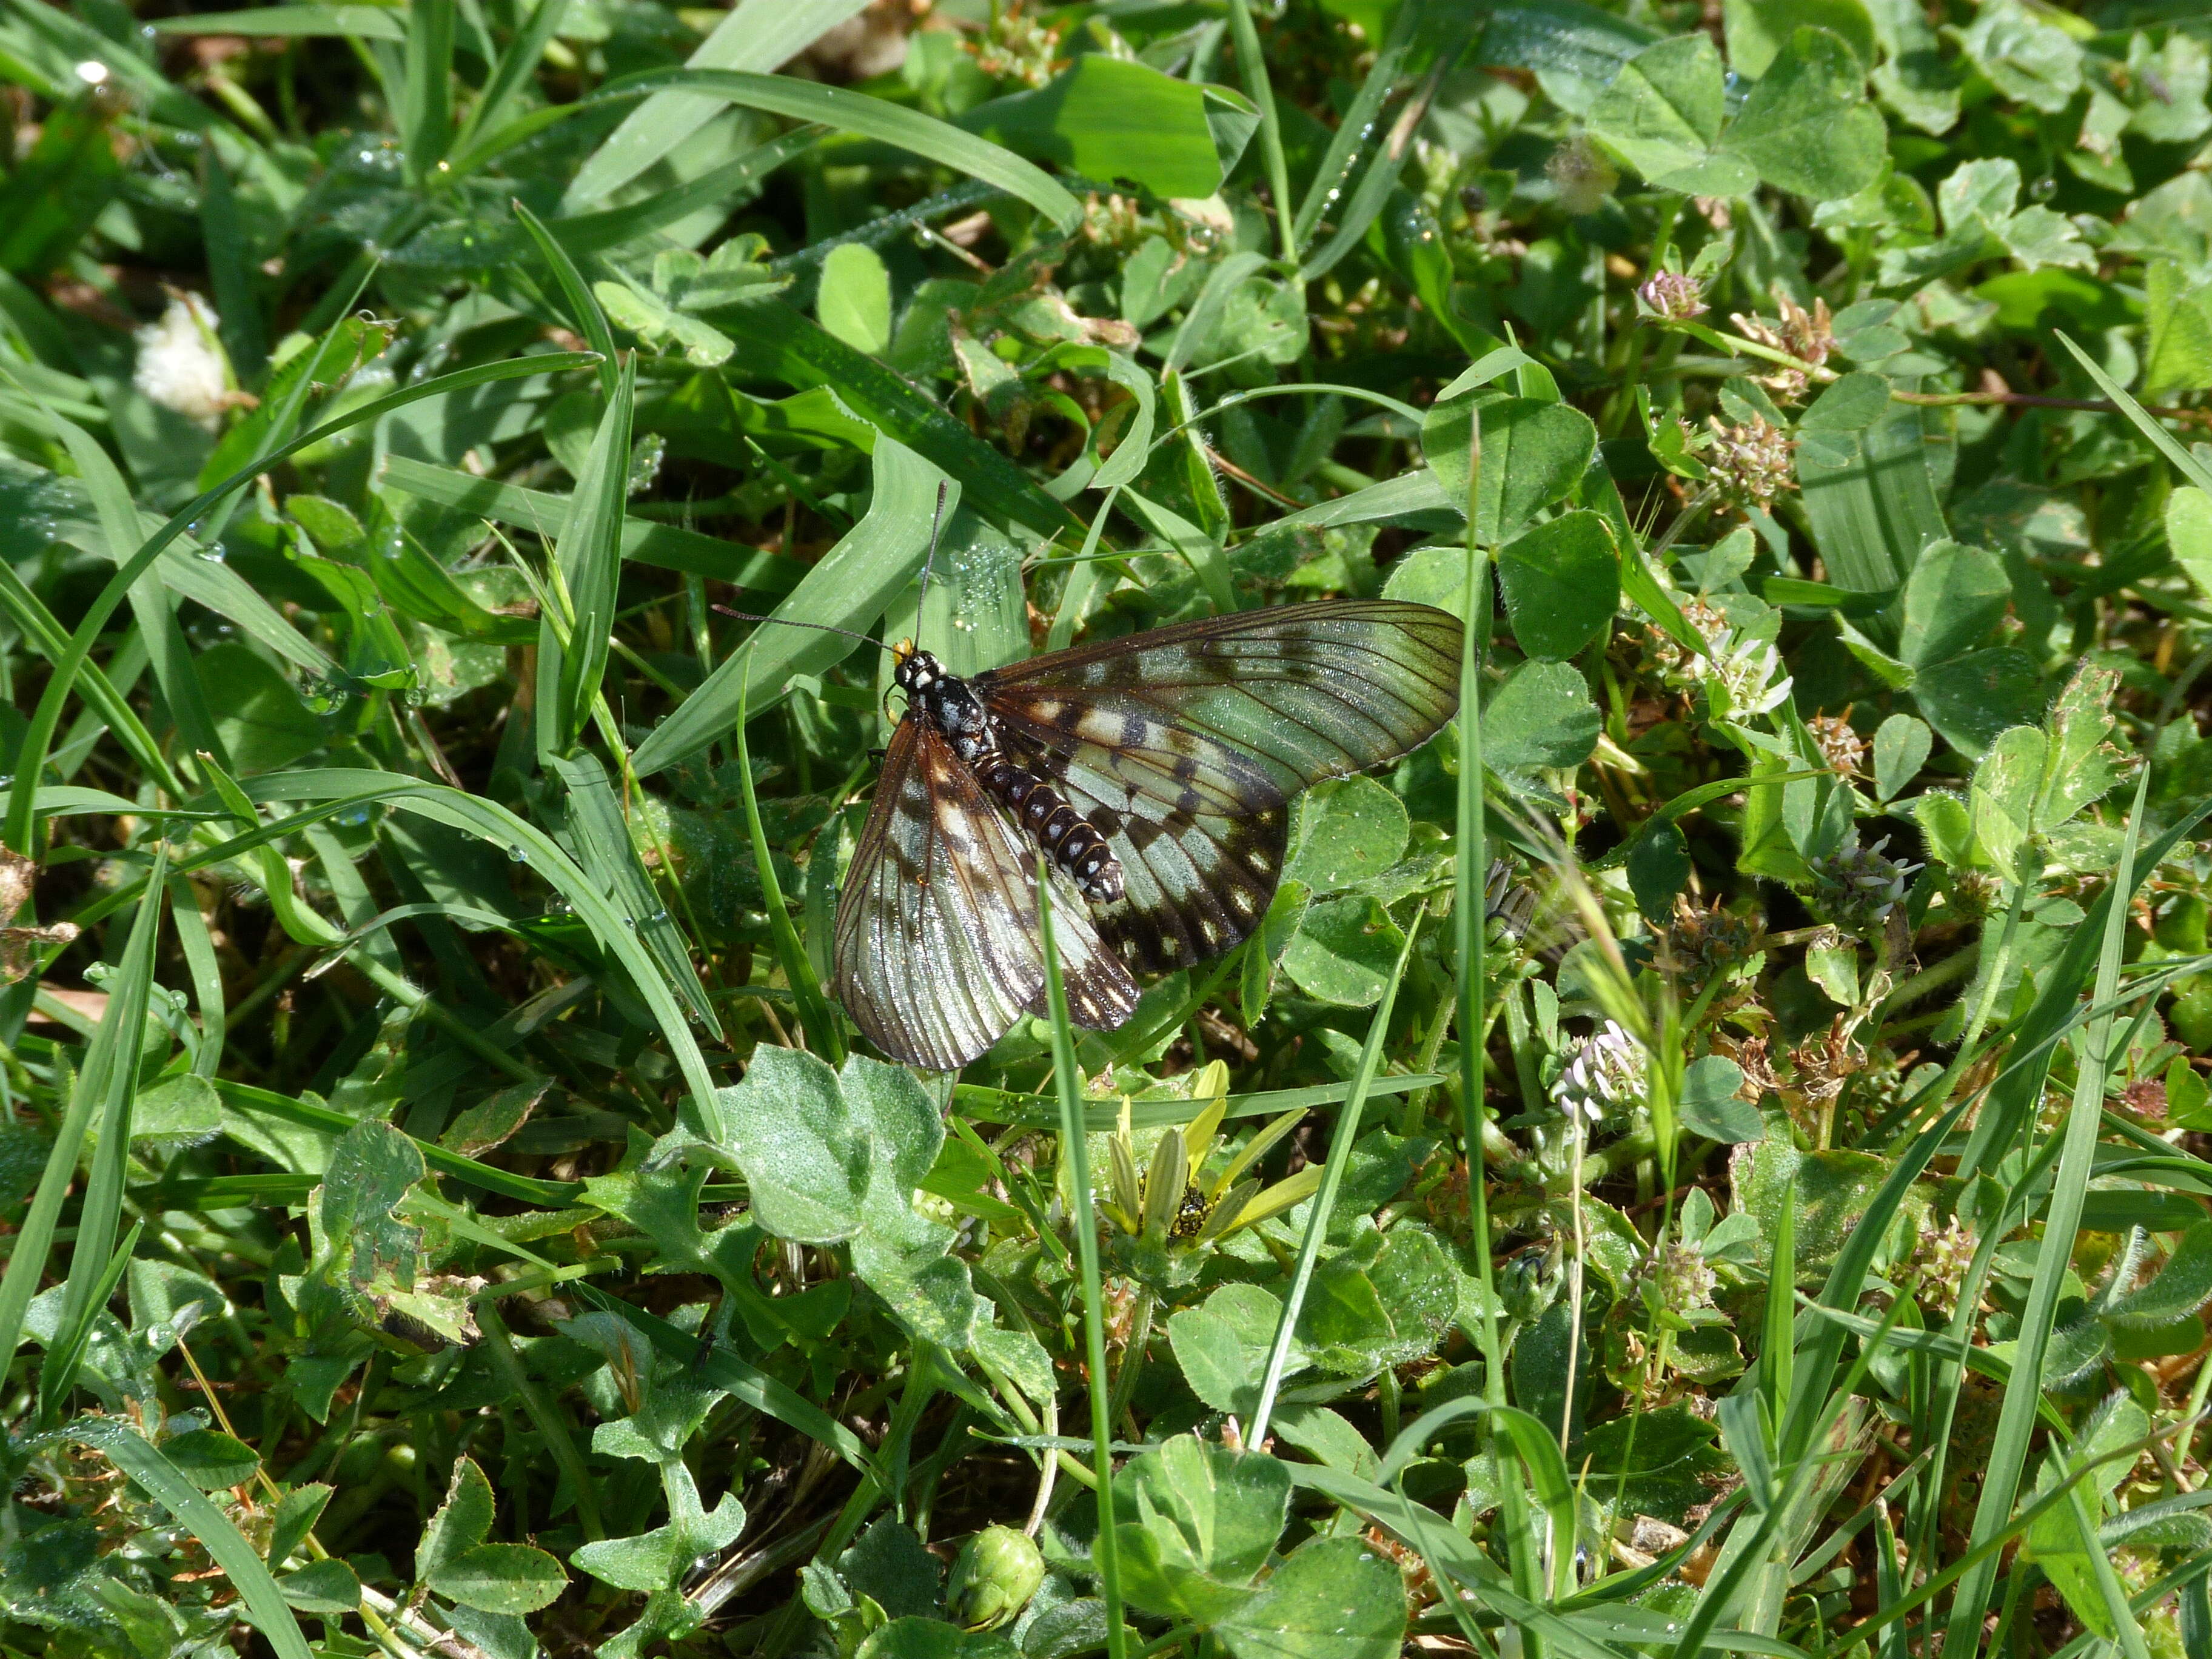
pixel 1157 770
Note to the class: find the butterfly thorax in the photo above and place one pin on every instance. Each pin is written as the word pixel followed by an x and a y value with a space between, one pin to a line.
pixel 956 710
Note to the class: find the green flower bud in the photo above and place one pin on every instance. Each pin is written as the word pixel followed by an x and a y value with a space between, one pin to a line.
pixel 997 1570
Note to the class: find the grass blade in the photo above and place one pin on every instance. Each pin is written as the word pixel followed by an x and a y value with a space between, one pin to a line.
pixel 1252 63
pixel 426 115
pixel 2165 443
pixel 144 1463
pixel 1075 1149
pixel 106 1085
pixel 59 1375
pixel 588 557
pixel 2062 1222
pixel 933 140
pixel 823 1034
pixel 601 835
pixel 583 305
pixel 757 34
pixel 512 72
pixel 849 586
pixel 38 739
pixel 1332 1181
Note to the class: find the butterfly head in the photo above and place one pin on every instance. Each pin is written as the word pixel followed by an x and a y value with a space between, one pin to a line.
pixel 914 671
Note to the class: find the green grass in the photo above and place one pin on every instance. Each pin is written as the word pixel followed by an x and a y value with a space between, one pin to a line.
pixel 447 1210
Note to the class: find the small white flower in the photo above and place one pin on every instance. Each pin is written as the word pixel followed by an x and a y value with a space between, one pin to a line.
pixel 180 362
pixel 1861 885
pixel 1605 1073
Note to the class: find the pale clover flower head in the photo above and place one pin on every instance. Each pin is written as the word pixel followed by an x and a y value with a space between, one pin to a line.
pixel 1861 885
pixel 1751 463
pixel 1674 296
pixel 1604 1075
pixel 181 365
pixel 1741 676
pixel 1944 1256
pixel 1678 1272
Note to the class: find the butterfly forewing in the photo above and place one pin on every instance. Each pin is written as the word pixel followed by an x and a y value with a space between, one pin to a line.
pixel 1183 747
pixel 937 946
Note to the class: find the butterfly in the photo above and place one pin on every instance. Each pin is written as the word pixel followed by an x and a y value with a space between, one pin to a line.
pixel 1157 770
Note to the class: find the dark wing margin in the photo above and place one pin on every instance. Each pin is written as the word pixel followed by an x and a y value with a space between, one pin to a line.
pixel 1183 747
pixel 937 949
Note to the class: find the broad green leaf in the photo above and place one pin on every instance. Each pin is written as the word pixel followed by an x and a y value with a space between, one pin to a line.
pixel 1263 954
pixel 1574 50
pixel 210 1460
pixel 1956 595
pixel 1758 30
pixel 1562 582
pixel 914 1637
pixel 510 1578
pixel 1970 699
pixel 1658 866
pixel 2189 532
pixel 1112 117
pixel 2084 763
pixel 1533 453
pixel 1806 126
pixel 1711 1103
pixel 2180 1287
pixel 297 1511
pixel 2024 56
pixel 1349 832
pixel 264 725
pixel 1540 715
pixel 1203 1520
pixel 1901 745
pixel 2006 783
pixel 325 1587
pixel 1862 462
pixel 854 300
pixel 827 1153
pixel 457 1563
pixel 1663 112
pixel 1334 1598
pixel 1343 951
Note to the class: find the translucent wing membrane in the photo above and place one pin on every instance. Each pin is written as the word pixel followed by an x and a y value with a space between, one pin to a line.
pixel 937 946
pixel 1183 747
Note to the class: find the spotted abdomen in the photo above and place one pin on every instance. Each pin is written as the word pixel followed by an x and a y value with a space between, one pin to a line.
pixel 1058 828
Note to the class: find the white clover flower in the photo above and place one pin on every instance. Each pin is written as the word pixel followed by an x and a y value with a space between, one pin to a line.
pixel 1861 884
pixel 181 365
pixel 1746 669
pixel 1605 1072
pixel 1743 676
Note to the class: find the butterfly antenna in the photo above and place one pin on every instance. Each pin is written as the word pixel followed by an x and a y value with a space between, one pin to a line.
pixel 936 530
pixel 792 622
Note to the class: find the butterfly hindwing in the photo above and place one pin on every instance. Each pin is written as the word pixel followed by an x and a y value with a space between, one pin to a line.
pixel 1184 745
pixel 937 947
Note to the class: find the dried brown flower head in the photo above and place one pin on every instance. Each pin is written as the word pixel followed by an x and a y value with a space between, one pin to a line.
pixel 1807 336
pixel 1844 749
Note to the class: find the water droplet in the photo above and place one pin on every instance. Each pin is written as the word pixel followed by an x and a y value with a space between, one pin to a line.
pixel 517 853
